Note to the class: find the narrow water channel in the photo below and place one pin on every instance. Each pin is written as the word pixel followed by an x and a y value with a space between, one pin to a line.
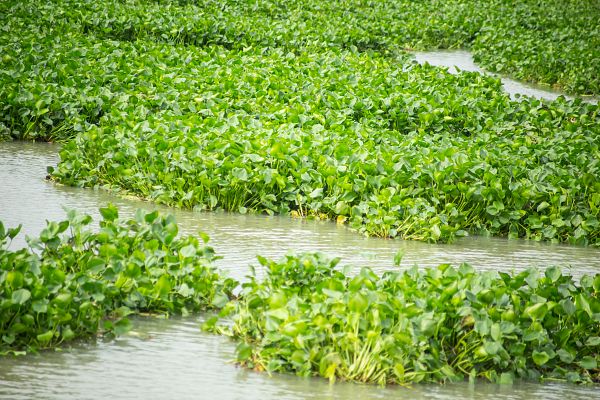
pixel 173 359
pixel 462 60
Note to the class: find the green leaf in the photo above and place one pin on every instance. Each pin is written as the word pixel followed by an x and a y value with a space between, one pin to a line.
pixel 45 337
pixel 188 251
pixel 240 173
pixel 110 212
pixel 243 352
pixel 318 192
pixel 122 326
pixel 21 296
pixel 588 362
pixel 540 357
pixel 593 341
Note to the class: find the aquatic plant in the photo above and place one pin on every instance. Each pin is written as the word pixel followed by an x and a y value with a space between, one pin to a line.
pixel 419 325
pixel 542 41
pixel 361 135
pixel 73 282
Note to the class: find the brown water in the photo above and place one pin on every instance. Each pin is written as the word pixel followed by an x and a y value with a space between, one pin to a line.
pixel 173 359
pixel 166 359
pixel 462 60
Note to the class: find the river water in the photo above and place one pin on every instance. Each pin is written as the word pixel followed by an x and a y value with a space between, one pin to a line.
pixel 462 60
pixel 173 359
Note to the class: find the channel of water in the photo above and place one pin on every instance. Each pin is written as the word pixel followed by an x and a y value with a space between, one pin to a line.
pixel 462 60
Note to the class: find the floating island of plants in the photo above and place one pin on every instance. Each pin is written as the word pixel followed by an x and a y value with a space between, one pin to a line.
pixel 317 127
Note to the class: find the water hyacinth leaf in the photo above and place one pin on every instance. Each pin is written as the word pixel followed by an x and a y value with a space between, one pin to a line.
pixel 109 213
pixel 565 356
pixel 593 341
pixel 220 300
pixel 187 251
pixel 540 357
pixel 122 326
pixel 553 273
pixel 12 232
pixel 398 258
pixel 21 296
pixel 240 173
pixel 45 337
pixel 506 378
pixel 243 352
pixel 588 362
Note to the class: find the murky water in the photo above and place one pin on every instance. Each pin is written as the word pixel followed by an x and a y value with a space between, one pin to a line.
pixel 174 359
pixel 27 198
pixel 462 60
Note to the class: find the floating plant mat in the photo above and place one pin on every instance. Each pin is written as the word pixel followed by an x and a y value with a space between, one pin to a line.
pixel 554 42
pixel 305 316
pixel 327 132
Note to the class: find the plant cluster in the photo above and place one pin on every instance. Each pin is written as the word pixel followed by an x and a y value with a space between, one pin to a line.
pixel 72 282
pixel 417 153
pixel 421 325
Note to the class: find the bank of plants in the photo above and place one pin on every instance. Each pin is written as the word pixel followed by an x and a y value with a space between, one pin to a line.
pixel 553 42
pixel 392 148
pixel 74 282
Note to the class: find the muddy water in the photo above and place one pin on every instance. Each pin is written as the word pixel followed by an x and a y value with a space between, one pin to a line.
pixel 164 359
pixel 172 359
pixel 462 60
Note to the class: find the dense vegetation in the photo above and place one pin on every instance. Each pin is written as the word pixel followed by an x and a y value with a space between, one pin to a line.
pixel 555 42
pixel 432 325
pixel 394 148
pixel 72 282
pixel 304 316
pixel 312 108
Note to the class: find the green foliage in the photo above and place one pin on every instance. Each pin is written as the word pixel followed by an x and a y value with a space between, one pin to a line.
pixel 215 105
pixel 305 316
pixel 72 282
pixel 555 42
pixel 431 325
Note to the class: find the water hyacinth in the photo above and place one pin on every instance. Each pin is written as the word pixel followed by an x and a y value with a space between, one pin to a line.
pixel 305 316
pixel 533 40
pixel 420 325
pixel 72 282
pixel 392 148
